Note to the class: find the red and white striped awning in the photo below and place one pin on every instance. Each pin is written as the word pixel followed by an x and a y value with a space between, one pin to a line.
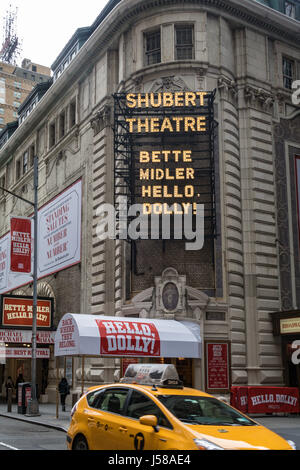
pixel 97 335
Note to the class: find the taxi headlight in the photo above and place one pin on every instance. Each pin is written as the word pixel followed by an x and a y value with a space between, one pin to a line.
pixel 292 444
pixel 204 444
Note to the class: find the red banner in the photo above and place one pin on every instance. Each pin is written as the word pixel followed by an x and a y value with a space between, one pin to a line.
pixel 265 399
pixel 271 400
pixel 217 366
pixel 17 312
pixel 20 248
pixel 239 398
pixel 127 338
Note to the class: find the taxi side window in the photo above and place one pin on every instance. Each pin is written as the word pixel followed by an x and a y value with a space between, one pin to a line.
pixel 140 405
pixel 94 397
pixel 112 400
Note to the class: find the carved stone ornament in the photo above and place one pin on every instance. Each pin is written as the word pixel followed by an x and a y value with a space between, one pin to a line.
pixel 102 119
pixel 259 98
pixel 170 293
pixel 172 83
pixel 227 88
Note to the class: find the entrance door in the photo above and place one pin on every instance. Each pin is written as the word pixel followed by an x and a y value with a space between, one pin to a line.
pixel 184 367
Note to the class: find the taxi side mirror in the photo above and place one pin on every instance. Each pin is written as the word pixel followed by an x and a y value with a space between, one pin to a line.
pixel 149 420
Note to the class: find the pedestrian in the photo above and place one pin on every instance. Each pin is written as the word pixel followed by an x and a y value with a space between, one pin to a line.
pixel 64 390
pixel 8 384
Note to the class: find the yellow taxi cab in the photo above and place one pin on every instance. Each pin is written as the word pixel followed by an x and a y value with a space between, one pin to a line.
pixel 150 410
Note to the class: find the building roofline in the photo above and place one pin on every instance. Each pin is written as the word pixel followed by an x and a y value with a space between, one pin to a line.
pixel 120 14
pixel 84 32
pixel 38 87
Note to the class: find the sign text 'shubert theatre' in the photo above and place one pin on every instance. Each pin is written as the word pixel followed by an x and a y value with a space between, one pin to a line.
pixel 164 154
pixel 166 173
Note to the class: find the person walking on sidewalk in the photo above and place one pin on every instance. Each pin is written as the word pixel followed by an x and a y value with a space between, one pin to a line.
pixel 64 390
pixel 9 384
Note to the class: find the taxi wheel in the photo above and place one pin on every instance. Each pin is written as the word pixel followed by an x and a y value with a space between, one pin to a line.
pixel 80 443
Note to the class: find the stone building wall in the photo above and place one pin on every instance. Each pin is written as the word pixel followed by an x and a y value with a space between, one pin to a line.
pixel 238 52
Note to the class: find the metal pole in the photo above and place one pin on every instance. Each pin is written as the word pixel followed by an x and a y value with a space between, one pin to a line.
pixel 33 405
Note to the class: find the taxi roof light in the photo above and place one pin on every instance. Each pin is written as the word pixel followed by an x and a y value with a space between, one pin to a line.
pixel 158 375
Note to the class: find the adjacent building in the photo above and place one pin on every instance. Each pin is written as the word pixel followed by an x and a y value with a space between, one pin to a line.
pixel 15 85
pixel 246 56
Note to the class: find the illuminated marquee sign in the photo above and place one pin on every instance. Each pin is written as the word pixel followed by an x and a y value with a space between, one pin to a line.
pixel 164 147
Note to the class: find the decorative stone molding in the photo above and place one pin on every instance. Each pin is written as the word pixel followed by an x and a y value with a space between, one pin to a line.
pixel 169 298
pixel 259 98
pixel 170 293
pixel 102 119
pixel 170 83
pixel 227 88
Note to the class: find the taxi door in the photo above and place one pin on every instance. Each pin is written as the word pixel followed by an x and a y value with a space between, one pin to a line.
pixel 104 422
pixel 137 436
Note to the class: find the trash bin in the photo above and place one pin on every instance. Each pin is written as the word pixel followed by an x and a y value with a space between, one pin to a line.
pixel 24 395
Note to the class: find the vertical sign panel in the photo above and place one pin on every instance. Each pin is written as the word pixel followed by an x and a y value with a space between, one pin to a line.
pixel 20 249
pixel 217 366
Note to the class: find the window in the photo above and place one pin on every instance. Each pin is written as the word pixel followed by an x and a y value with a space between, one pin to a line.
pixel 17 95
pixel 1 111
pixel 16 104
pixel 140 405
pixel 25 162
pixel 112 400
pixel 215 316
pixel 288 72
pixel 200 410
pixel 72 113
pixel 2 184
pixel 18 169
pixel 52 135
pixel 31 155
pixel 62 125
pixel 152 47
pixel 184 42
pixel 290 9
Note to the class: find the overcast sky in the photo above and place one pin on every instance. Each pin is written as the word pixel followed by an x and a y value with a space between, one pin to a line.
pixel 44 27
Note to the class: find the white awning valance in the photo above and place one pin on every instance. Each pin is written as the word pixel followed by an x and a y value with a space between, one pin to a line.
pixel 97 335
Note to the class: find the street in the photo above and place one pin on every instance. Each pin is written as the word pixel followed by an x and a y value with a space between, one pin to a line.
pixel 18 435
pixel 287 427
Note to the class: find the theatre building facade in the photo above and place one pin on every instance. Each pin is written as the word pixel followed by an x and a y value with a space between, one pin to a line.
pixel 168 103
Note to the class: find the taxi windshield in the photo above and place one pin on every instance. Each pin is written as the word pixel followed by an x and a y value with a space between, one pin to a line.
pixel 204 411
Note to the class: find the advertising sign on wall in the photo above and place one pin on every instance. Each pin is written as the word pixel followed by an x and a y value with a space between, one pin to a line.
pixel 23 353
pixel 25 336
pixel 20 247
pixel 217 366
pixel 17 311
pixel 59 232
pixel 59 239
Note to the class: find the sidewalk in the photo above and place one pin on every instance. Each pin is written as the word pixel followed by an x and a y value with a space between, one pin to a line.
pixel 47 415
